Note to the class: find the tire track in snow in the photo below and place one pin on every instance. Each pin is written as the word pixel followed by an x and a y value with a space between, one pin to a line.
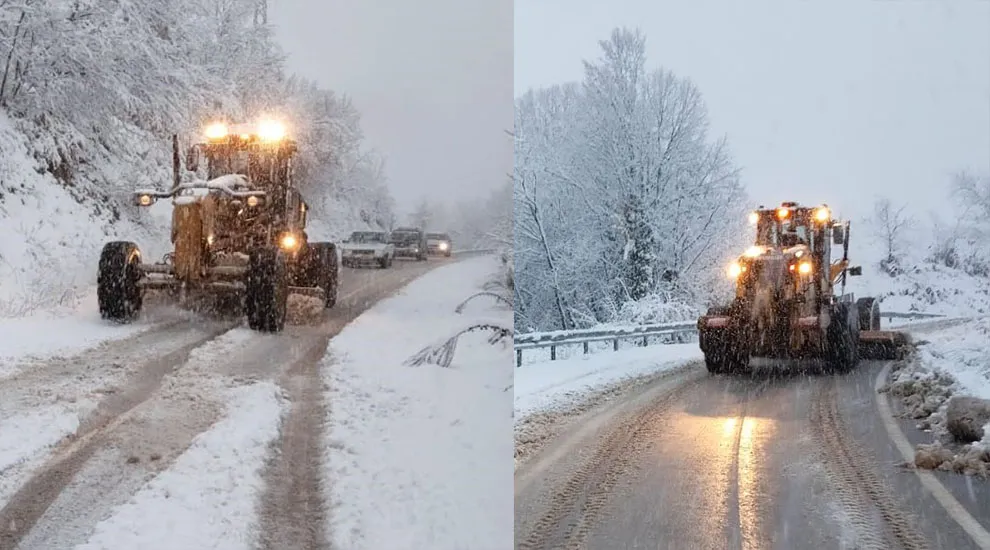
pixel 293 511
pixel 32 500
pixel 878 519
pixel 576 505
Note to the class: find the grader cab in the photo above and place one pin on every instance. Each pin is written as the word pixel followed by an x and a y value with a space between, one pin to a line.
pixel 240 233
pixel 786 305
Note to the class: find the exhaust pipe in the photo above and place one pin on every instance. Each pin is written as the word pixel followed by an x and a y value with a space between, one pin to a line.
pixel 175 161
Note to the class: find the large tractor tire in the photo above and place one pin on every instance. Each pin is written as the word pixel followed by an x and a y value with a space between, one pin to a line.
pixel 267 292
pixel 725 353
pixel 324 270
pixel 117 291
pixel 869 314
pixel 842 340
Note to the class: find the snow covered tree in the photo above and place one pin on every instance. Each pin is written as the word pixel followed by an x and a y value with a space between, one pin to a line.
pixel 890 224
pixel 640 250
pixel 423 215
pixel 620 194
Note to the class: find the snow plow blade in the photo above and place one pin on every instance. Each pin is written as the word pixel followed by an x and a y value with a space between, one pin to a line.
pixel 883 345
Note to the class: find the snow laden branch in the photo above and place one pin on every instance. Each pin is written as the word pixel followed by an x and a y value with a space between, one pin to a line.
pixel 498 298
pixel 442 352
pixel 621 195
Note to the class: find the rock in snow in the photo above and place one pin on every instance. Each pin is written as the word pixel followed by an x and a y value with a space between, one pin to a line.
pixel 966 416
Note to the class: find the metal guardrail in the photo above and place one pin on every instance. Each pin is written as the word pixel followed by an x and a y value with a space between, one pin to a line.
pixel 552 340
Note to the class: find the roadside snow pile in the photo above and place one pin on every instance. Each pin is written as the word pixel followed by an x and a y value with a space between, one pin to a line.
pixel 946 389
pixel 549 393
pixel 206 499
pixel 417 455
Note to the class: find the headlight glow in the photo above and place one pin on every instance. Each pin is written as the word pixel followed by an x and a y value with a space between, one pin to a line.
pixel 270 130
pixel 217 130
pixel 252 201
pixel 754 217
pixel 443 246
pixel 804 268
pixel 735 269
pixel 822 214
pixel 289 241
pixel 782 213
pixel 754 251
pixel 144 200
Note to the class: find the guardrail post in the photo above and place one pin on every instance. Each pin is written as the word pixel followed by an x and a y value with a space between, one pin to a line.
pixel 646 341
pixel 615 345
pixel 518 358
pixel 586 348
pixel 553 353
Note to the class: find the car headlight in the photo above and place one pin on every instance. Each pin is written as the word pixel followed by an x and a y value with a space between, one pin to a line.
pixel 443 246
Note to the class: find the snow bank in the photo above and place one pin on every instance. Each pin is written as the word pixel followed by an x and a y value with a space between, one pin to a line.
pixel 52 242
pixel 949 361
pixel 417 457
pixel 206 499
pixel 557 384
pixel 46 334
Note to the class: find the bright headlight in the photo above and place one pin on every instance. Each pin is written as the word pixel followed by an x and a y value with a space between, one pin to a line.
pixel 289 241
pixel 144 200
pixel 270 130
pixel 443 246
pixel 822 214
pixel 754 217
pixel 252 201
pixel 754 251
pixel 734 270
pixel 217 130
pixel 804 268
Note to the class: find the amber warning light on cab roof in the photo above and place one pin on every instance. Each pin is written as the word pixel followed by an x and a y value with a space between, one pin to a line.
pixel 786 210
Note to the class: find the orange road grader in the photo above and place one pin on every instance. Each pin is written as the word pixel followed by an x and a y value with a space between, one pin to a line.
pixel 238 234
pixel 785 304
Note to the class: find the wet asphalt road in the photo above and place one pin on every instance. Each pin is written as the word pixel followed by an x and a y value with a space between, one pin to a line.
pixel 776 461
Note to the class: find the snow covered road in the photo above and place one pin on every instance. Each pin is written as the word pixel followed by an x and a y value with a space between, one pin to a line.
pixel 621 451
pixel 180 429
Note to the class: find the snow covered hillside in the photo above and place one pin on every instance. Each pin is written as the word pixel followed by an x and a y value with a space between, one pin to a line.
pixel 922 281
pixel 418 456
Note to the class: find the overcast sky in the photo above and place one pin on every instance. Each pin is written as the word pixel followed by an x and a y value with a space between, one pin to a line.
pixel 433 81
pixel 822 102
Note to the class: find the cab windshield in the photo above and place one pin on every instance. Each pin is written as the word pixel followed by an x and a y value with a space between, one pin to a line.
pixel 787 233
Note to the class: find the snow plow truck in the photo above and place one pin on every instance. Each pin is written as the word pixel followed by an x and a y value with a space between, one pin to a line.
pixel 785 304
pixel 238 234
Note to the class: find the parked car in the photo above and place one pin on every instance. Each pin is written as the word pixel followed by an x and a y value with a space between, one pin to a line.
pixel 367 248
pixel 438 244
pixel 409 242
